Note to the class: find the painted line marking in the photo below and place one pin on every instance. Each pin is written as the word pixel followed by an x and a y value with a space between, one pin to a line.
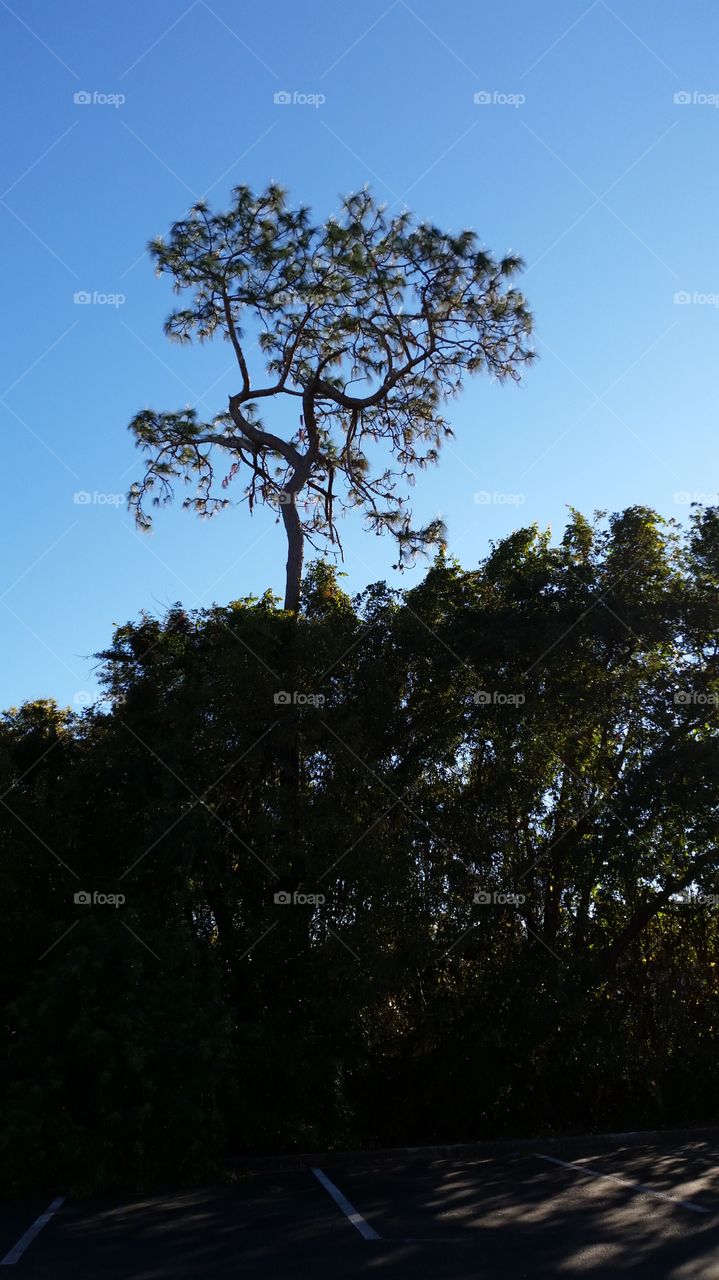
pixel 633 1186
pixel 18 1249
pixel 348 1210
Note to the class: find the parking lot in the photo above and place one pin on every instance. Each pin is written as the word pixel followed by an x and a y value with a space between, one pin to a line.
pixel 593 1210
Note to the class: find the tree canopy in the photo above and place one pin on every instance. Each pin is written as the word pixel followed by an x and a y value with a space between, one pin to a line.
pixel 444 866
pixel 365 325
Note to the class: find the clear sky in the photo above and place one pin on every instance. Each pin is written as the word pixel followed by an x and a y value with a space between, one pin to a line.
pixel 581 161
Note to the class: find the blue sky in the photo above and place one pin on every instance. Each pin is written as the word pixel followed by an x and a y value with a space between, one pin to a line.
pixel 605 184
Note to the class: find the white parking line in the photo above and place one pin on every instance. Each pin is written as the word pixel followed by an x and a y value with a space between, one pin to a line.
pixel 355 1218
pixel 633 1186
pixel 18 1249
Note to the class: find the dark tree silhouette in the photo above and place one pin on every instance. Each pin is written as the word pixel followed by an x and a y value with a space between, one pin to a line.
pixel 501 835
pixel 367 325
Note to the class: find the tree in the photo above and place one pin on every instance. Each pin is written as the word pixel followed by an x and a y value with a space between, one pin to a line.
pixel 205 1017
pixel 367 324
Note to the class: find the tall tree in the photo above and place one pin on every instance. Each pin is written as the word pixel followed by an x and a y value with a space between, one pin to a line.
pixel 367 324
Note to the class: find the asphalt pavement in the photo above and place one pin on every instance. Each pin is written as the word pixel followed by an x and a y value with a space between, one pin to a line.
pixel 647 1211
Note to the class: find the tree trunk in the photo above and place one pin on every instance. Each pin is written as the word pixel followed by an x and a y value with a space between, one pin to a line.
pixel 295 551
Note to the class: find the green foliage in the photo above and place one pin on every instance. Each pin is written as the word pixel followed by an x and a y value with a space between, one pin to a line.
pixel 544 725
pixel 114 1061
pixel 367 324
